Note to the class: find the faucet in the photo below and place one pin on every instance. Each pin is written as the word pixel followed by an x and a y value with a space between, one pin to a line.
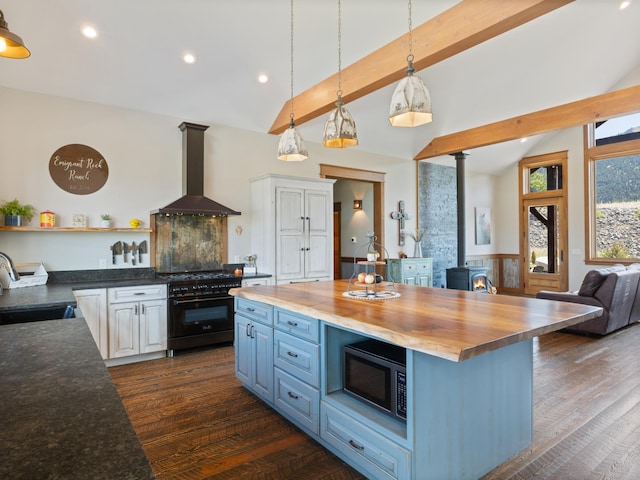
pixel 8 265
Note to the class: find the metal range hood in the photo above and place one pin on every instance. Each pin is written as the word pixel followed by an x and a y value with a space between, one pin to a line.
pixel 193 201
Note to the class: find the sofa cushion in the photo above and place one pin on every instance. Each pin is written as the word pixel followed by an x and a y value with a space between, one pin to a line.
pixel 595 278
pixel 592 282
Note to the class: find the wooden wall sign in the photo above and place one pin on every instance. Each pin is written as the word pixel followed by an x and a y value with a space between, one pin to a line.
pixel 78 169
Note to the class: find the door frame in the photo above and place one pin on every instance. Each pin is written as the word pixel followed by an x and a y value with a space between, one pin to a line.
pixel 533 282
pixel 375 178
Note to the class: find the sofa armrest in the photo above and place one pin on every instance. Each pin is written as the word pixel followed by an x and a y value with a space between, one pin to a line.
pixel 572 297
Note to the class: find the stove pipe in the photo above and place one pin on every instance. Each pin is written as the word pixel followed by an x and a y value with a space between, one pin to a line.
pixel 460 199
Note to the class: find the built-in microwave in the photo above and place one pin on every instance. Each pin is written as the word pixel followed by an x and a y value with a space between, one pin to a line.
pixel 375 373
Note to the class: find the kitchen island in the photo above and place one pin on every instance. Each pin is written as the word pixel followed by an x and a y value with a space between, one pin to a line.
pixel 62 416
pixel 469 372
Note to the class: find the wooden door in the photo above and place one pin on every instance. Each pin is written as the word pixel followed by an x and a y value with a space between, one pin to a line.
pixel 337 245
pixel 544 245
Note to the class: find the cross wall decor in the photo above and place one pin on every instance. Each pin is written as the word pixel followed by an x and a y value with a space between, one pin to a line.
pixel 401 216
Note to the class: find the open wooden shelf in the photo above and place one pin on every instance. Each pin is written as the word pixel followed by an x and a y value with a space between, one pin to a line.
pixel 72 229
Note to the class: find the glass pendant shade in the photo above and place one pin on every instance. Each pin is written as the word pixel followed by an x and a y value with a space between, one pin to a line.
pixel 411 102
pixel 340 129
pixel 11 45
pixel 291 147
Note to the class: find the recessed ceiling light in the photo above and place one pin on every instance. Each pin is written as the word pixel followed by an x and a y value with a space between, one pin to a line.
pixel 625 4
pixel 189 58
pixel 523 139
pixel 89 32
pixel 263 78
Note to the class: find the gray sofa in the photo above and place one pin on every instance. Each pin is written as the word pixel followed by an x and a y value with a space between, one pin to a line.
pixel 616 289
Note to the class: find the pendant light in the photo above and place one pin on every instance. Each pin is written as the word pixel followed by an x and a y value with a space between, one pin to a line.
pixel 291 147
pixel 340 129
pixel 11 45
pixel 411 102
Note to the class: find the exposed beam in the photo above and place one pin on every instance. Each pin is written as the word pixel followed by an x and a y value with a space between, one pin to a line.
pixel 463 26
pixel 568 115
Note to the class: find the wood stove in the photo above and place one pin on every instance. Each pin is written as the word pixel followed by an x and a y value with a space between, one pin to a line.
pixel 462 277
pixel 473 279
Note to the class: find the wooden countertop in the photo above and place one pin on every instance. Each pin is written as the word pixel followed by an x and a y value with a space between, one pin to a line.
pixel 451 324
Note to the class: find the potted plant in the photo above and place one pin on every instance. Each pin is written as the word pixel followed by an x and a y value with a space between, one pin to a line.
pixel 15 213
pixel 106 220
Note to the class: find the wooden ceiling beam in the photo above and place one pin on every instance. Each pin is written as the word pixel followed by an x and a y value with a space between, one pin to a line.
pixel 581 112
pixel 463 26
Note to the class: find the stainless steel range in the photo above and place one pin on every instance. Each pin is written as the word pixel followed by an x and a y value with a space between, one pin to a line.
pixel 200 308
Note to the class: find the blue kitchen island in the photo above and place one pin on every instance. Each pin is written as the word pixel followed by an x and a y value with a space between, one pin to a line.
pixel 469 372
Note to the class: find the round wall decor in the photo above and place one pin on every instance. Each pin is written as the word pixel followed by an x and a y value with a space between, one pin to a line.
pixel 78 169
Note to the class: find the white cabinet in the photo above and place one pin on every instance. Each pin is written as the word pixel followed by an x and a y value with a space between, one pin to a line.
pixel 254 347
pixel 137 320
pixel 292 227
pixel 92 304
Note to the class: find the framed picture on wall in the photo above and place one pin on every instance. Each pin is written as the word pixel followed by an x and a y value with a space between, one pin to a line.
pixel 483 226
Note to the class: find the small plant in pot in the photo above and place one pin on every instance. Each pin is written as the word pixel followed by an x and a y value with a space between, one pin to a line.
pixel 17 214
pixel 105 221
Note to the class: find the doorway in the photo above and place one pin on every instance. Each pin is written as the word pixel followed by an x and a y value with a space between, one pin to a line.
pixel 543 223
pixel 377 180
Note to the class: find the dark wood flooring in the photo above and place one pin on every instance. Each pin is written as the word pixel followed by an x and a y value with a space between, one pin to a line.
pixel 195 421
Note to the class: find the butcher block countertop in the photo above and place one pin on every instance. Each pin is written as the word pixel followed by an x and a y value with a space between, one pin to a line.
pixel 452 324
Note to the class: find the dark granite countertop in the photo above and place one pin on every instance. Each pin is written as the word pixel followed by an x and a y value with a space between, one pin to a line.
pixel 61 414
pixel 58 292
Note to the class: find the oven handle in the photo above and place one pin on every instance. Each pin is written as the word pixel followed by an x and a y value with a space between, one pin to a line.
pixel 175 303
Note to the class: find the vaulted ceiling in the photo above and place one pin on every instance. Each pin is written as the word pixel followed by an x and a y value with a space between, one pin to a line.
pixel 578 50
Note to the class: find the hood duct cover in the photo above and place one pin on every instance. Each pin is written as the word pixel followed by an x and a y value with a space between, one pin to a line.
pixel 193 201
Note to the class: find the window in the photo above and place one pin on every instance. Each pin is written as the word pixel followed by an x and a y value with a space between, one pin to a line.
pixel 612 189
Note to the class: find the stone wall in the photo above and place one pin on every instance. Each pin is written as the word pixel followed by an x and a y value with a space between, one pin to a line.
pixel 437 214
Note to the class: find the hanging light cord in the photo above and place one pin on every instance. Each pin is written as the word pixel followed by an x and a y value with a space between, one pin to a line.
pixel 339 50
pixel 291 76
pixel 410 56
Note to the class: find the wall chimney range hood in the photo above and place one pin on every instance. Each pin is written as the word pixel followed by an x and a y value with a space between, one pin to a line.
pixel 193 201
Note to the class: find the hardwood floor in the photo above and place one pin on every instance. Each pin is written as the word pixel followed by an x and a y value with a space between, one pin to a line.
pixel 195 421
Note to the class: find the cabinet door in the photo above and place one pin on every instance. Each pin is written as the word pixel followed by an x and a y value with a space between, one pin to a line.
pixel 290 229
pixel 153 326
pixel 93 307
pixel 263 361
pixel 319 234
pixel 124 329
pixel 243 346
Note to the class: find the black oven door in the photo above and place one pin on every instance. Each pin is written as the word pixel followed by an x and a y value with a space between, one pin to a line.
pixel 196 316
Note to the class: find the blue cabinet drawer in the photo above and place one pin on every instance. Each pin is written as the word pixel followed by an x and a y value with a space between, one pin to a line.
pixel 297 400
pixel 376 456
pixel 254 310
pixel 299 325
pixel 297 357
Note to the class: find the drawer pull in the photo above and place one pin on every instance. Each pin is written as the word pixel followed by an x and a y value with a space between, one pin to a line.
pixel 139 293
pixel 291 354
pixel 292 395
pixel 293 324
pixel 355 445
pixel 251 309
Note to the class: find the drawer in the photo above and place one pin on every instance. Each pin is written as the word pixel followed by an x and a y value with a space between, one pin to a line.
pixel 254 310
pixel 299 325
pixel 297 400
pixel 297 357
pixel 139 293
pixel 409 268
pixel 254 282
pixel 375 455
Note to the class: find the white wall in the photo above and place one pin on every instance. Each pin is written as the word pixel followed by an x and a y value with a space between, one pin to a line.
pixel 143 152
pixel 354 223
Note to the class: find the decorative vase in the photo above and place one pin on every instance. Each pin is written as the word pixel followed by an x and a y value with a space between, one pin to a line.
pixel 105 223
pixel 417 250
